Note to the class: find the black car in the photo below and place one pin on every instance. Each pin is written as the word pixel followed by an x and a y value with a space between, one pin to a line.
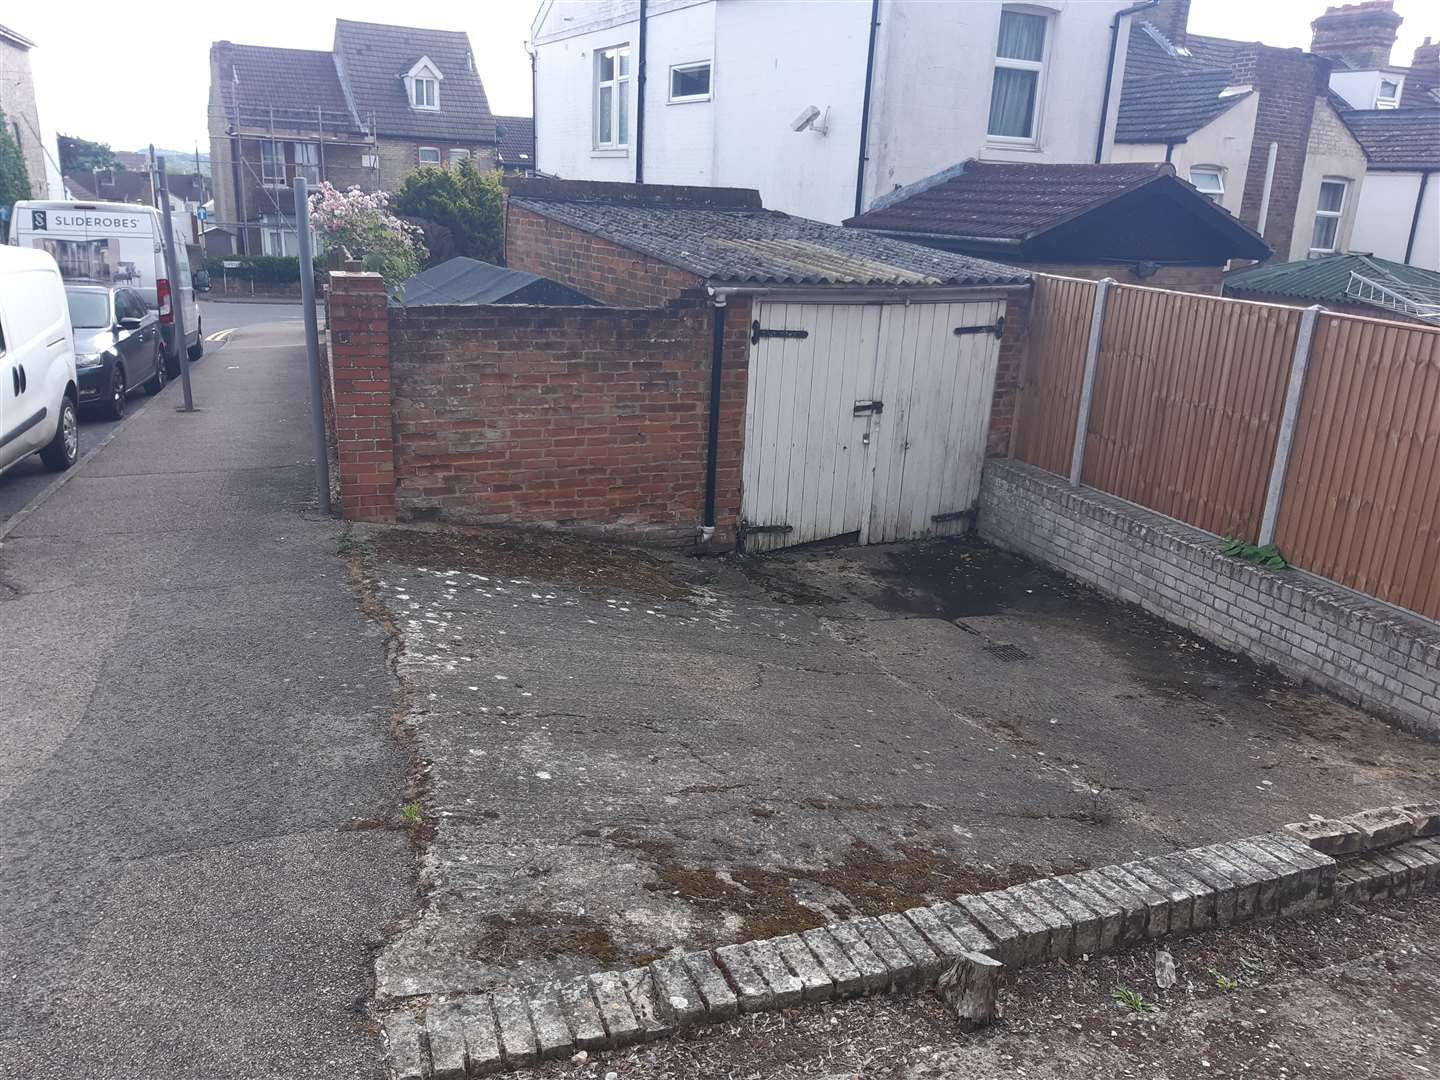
pixel 117 346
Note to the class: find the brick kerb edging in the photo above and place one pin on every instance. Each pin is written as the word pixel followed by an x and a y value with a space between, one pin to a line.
pixel 1306 867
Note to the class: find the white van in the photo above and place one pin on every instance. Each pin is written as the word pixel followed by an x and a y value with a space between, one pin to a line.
pixel 38 393
pixel 117 244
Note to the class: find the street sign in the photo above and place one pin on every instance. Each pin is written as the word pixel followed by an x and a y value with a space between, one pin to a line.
pixel 231 264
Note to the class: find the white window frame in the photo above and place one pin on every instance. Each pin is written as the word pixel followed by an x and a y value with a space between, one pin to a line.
pixel 609 141
pixel 1393 100
pixel 422 85
pixel 1336 215
pixel 457 155
pixel 272 156
pixel 310 169
pixel 1217 171
pixel 1040 67
pixel 420 156
pixel 685 99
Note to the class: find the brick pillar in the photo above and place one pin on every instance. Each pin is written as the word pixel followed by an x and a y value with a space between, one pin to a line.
pixel 359 323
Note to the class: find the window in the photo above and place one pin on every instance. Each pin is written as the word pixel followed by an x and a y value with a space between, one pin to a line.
pixel 1331 205
pixel 690 82
pixel 1209 180
pixel 1019 65
pixel 272 164
pixel 612 97
pixel 306 156
pixel 458 154
pixel 425 93
pixel 278 237
pixel 370 161
pixel 429 155
pixel 1388 96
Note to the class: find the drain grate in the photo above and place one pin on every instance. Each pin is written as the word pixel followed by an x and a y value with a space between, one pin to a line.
pixel 1007 652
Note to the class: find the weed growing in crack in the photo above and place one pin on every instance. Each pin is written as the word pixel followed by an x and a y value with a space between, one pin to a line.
pixel 410 814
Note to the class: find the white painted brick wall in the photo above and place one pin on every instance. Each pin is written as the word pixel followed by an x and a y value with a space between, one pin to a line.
pixel 1363 651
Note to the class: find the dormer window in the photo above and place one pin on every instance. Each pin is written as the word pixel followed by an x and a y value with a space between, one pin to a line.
pixel 422 84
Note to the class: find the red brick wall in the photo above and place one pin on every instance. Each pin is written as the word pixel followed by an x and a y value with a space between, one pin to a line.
pixel 1008 371
pixel 601 270
pixel 592 419
pixel 359 348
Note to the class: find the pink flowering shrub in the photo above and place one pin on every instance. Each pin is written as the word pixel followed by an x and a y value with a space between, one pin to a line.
pixel 361 222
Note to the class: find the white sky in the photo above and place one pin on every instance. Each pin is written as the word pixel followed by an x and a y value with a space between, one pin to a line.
pixel 94 80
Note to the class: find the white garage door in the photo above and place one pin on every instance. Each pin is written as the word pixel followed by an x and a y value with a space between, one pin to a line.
pixel 865 418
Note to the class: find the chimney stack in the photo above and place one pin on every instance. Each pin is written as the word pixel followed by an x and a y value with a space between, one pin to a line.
pixel 1171 18
pixel 1360 35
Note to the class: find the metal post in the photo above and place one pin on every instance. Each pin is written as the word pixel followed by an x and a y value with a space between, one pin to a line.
pixel 1087 384
pixel 312 344
pixel 1299 364
pixel 177 290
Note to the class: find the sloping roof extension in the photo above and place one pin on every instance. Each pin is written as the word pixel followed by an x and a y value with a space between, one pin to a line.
pixel 1345 279
pixel 373 58
pixel 1397 138
pixel 463 280
pixel 515 141
pixel 1004 201
pixel 1170 108
pixel 742 244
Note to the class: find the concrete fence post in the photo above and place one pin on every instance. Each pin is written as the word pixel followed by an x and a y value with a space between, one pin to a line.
pixel 1087 384
pixel 359 327
pixel 1299 364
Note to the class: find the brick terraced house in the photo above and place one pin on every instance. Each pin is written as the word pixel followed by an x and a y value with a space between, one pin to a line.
pixel 384 101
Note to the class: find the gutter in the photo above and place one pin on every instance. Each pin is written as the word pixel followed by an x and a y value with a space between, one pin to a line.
pixel 864 105
pixel 712 435
pixel 640 100
pixel 1134 9
pixel 534 109
pixel 1415 218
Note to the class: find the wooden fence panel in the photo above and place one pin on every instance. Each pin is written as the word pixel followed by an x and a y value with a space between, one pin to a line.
pixel 1362 497
pixel 1059 333
pixel 1188 396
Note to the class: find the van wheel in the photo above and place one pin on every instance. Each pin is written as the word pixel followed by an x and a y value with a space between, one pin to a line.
pixel 198 349
pixel 64 448
pixel 156 382
pixel 115 406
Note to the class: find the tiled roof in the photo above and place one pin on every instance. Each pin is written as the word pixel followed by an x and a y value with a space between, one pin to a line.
pixel 1397 138
pixel 1326 279
pixel 515 141
pixel 373 57
pixel 1004 201
pixel 463 280
pixel 254 79
pixel 1168 108
pixel 745 245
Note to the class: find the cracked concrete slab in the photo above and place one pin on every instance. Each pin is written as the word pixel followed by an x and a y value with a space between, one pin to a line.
pixel 765 745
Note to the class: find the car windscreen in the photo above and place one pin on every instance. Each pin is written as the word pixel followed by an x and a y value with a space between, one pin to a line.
pixel 89 310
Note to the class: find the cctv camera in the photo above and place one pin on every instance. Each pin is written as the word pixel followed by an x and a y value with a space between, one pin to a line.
pixel 805 119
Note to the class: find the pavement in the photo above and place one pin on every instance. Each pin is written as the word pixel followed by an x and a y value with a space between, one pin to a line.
pixel 195 715
pixel 628 753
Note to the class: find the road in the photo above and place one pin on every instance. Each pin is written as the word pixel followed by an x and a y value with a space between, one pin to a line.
pixel 217 319
pixel 193 713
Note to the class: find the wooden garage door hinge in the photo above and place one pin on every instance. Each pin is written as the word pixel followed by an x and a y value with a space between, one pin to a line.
pixel 757 332
pixel 997 328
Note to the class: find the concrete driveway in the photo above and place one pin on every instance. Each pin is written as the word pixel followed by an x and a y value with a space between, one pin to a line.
pixel 629 752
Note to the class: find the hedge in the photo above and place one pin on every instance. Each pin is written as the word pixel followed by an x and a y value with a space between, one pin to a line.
pixel 279 269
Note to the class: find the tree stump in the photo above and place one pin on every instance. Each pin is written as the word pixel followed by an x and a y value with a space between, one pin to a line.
pixel 968 988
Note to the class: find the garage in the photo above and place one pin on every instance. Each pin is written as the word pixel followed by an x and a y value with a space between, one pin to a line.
pixel 866 419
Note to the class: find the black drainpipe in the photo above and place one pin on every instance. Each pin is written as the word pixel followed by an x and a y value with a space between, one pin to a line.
pixel 865 107
pixel 1110 71
pixel 1169 150
pixel 712 438
pixel 1415 218
pixel 640 101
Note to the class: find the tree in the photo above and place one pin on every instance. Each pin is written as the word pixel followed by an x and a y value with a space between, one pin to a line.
pixel 14 181
pixel 466 200
pixel 362 224
pixel 82 155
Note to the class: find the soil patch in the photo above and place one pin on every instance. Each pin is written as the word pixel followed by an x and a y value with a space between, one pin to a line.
pixel 528 933
pixel 553 557
pixel 863 881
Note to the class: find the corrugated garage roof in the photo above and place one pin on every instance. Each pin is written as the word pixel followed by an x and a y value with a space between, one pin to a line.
pixel 723 236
